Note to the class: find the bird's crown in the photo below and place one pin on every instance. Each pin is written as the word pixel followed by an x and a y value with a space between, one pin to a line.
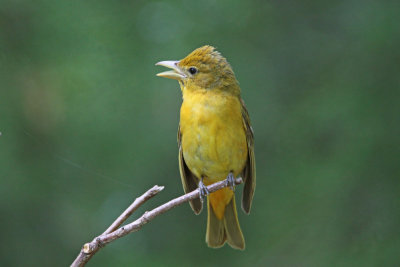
pixel 204 55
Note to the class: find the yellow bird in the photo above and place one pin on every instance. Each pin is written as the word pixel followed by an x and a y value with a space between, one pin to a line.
pixel 215 140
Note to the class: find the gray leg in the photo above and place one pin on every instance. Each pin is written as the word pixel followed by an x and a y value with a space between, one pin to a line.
pixel 230 181
pixel 202 190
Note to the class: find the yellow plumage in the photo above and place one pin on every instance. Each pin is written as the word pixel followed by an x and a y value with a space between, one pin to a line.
pixel 215 139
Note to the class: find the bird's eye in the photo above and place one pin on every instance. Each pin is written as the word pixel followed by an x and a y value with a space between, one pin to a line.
pixel 192 70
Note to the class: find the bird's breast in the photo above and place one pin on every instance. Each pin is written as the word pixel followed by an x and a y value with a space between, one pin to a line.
pixel 213 137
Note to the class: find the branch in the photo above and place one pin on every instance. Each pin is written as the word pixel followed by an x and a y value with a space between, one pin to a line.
pixel 133 207
pixel 112 233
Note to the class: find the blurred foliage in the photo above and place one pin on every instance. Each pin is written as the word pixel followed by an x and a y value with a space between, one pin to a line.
pixel 87 127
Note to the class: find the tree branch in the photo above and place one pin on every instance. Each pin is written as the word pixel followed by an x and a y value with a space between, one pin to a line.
pixel 133 207
pixel 112 233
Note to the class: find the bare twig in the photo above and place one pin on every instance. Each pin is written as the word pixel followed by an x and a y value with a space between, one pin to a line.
pixel 133 207
pixel 83 258
pixel 89 249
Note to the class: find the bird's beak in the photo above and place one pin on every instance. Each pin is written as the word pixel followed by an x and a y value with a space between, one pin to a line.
pixel 176 73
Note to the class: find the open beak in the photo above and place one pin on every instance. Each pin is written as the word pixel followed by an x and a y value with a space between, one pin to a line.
pixel 176 73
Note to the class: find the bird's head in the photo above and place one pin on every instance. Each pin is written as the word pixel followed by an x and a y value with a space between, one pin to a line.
pixel 203 69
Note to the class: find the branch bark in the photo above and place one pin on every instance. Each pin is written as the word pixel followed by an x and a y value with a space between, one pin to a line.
pixel 113 232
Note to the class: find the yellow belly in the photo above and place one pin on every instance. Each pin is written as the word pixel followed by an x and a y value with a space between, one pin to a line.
pixel 213 137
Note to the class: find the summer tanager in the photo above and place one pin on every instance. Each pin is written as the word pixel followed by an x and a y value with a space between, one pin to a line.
pixel 215 140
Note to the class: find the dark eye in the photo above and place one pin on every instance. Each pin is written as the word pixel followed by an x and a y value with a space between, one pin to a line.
pixel 192 70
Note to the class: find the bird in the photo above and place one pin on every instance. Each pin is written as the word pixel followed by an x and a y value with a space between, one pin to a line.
pixel 215 140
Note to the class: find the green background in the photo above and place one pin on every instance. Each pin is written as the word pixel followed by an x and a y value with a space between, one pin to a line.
pixel 87 127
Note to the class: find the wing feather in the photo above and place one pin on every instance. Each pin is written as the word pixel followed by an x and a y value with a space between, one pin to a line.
pixel 188 178
pixel 249 171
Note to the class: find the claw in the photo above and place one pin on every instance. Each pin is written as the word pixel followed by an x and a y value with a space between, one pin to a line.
pixel 230 181
pixel 202 190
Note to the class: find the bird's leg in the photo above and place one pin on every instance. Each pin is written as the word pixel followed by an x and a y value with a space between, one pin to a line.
pixel 202 190
pixel 230 181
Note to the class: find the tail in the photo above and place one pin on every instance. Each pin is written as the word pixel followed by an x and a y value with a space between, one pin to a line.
pixel 225 230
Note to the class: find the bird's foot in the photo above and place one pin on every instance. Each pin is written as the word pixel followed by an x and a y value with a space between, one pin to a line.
pixel 202 190
pixel 230 181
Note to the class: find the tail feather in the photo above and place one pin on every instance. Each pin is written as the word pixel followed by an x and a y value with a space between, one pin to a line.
pixel 225 230
pixel 215 236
